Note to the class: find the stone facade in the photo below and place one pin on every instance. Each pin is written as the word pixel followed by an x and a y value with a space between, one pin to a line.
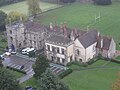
pixel 60 43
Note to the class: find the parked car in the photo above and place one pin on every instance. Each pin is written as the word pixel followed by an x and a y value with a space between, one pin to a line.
pixel 7 53
pixel 27 50
pixel 2 57
pixel 24 51
pixel 30 88
pixel 13 53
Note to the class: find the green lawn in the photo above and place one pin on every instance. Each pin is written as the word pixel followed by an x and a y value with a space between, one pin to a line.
pixel 23 8
pixel 31 82
pixel 16 74
pixel 80 15
pixel 98 79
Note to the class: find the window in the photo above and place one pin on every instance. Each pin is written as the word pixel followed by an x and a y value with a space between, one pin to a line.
pixel 52 59
pixel 77 52
pixel 53 48
pixel 58 51
pixel 63 60
pixel 11 38
pixel 34 43
pixel 94 48
pixel 58 59
pixel 63 51
pixel 10 31
pixel 48 47
pixel 31 42
pixel 71 58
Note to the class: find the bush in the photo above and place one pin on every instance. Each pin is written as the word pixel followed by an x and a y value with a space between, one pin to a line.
pixel 65 73
pixel 93 60
pixel 77 63
pixel 102 2
pixel 3 40
pixel 14 69
pixel 115 60
pixel 67 1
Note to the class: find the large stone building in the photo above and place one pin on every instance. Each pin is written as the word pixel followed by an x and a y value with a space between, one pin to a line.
pixel 60 43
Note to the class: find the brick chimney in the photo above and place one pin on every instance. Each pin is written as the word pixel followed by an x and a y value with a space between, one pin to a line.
pixel 51 26
pixel 65 29
pixel 61 27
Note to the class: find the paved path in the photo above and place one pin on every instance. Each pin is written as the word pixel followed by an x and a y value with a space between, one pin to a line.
pixel 26 77
pixel 92 68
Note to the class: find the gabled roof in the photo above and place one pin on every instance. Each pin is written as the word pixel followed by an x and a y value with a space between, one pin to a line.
pixel 106 42
pixel 88 38
pixel 59 39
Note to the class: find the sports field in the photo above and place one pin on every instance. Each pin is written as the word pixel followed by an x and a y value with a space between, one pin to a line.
pixel 23 8
pixel 81 15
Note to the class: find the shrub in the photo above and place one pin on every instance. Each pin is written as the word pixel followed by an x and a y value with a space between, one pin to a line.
pixel 65 73
pixel 3 40
pixel 102 2
pixel 115 60
pixel 93 60
pixel 77 63
pixel 14 69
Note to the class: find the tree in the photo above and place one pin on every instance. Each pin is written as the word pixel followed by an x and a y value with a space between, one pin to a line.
pixel 1 65
pixel 31 54
pixel 3 16
pixel 40 66
pixel 49 81
pixel 33 7
pixel 8 81
pixel 102 2
pixel 15 16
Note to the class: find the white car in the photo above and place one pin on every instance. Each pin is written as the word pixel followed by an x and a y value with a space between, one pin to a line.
pixel 24 51
pixel 31 49
pixel 7 53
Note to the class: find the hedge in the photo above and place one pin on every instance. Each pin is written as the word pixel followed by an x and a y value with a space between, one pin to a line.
pixel 14 69
pixel 65 73
pixel 115 60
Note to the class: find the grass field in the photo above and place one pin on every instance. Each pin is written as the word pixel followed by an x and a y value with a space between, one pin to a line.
pixel 16 74
pixel 80 15
pixel 23 8
pixel 96 79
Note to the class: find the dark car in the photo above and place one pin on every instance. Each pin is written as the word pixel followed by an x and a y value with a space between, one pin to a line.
pixel 30 88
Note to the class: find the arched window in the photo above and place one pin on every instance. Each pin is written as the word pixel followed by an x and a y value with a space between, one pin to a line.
pixel 77 52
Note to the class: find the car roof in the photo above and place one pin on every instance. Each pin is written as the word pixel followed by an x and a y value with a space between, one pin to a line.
pixel 25 49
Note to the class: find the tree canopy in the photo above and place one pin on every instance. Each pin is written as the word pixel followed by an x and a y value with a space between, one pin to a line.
pixel 8 81
pixel 40 66
pixel 15 16
pixel 33 7
pixel 49 81
pixel 3 16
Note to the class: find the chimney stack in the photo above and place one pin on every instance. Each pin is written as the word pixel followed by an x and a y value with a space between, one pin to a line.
pixel 51 26
pixel 61 27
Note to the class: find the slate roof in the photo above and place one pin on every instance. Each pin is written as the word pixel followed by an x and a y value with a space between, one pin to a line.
pixel 88 38
pixel 106 42
pixel 60 39
pixel 36 27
